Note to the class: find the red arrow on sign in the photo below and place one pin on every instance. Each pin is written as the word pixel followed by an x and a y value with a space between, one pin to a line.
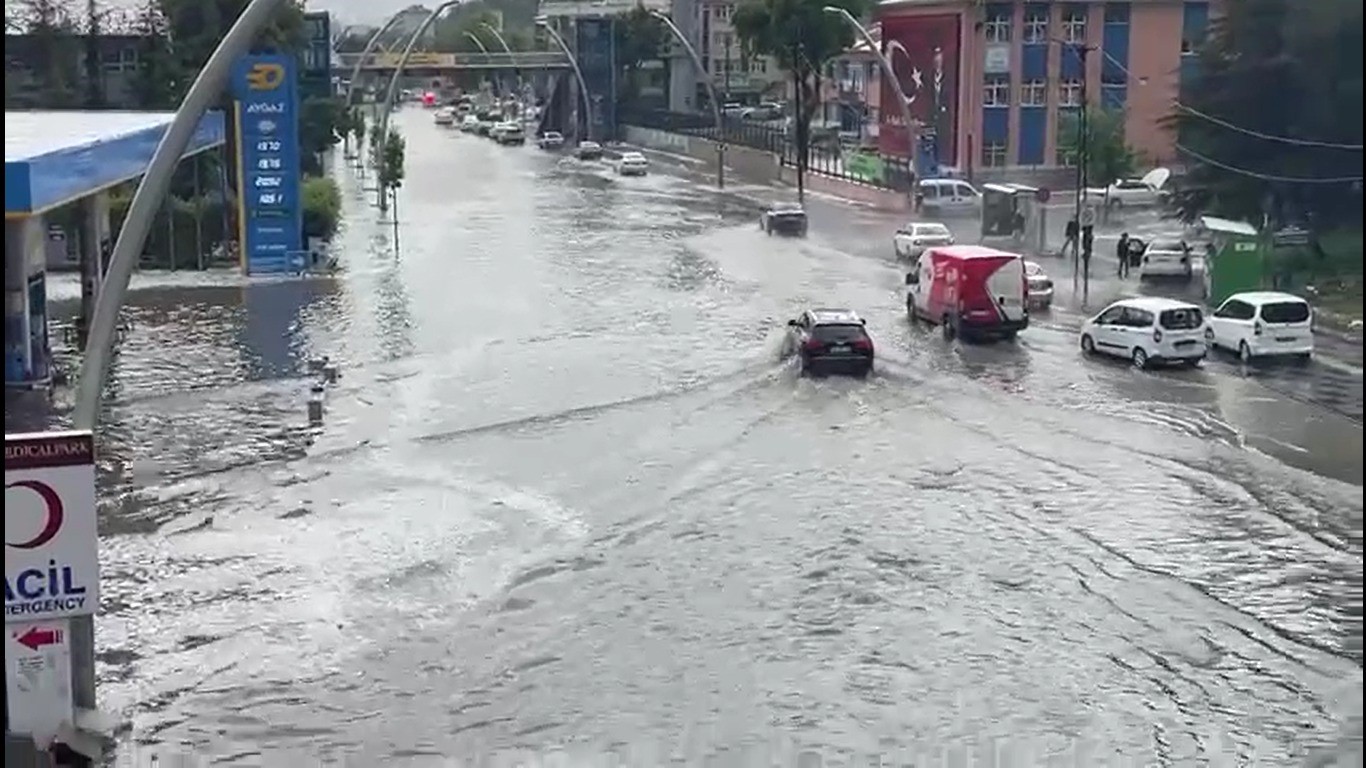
pixel 36 638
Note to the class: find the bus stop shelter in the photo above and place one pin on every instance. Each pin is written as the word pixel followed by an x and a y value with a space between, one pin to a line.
pixel 59 159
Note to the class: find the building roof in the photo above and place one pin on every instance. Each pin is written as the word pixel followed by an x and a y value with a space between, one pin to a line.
pixel 53 158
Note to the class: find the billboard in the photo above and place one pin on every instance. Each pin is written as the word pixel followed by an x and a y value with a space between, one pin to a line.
pixel 266 114
pixel 595 50
pixel 924 52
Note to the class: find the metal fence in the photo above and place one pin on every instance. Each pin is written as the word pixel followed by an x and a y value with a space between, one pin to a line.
pixel 825 155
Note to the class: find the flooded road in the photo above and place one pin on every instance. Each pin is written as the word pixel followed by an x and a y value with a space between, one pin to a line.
pixel 568 497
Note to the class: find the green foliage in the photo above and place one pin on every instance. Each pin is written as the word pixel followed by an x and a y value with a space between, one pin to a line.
pixel 322 207
pixel 1108 155
pixel 320 128
pixel 454 30
pixel 391 166
pixel 640 37
pixel 357 123
pixel 1280 68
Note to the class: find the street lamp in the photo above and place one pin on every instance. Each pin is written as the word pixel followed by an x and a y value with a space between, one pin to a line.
pixel 711 94
pixel 887 72
pixel 1079 50
pixel 477 42
pixel 508 50
pixel 367 50
pixel 388 104
pixel 544 23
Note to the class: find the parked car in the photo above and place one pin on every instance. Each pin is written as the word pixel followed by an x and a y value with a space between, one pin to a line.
pixel 1128 193
pixel 1039 286
pixel 1166 257
pixel 912 239
pixel 947 197
pixel 550 140
pixel 1263 324
pixel 970 291
pixel 444 116
pixel 831 340
pixel 1147 330
pixel 588 150
pixel 784 218
pixel 510 133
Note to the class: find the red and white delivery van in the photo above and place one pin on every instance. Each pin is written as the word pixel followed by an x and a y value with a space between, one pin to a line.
pixel 969 291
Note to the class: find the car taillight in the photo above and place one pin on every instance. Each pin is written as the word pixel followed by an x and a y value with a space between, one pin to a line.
pixel 812 344
pixel 1256 329
pixel 1157 335
pixel 864 345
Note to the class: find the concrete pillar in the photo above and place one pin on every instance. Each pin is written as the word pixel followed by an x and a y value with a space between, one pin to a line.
pixel 96 243
pixel 25 257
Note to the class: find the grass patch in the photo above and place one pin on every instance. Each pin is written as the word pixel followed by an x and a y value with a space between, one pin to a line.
pixel 1330 276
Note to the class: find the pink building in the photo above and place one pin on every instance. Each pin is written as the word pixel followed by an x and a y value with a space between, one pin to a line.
pixel 997 79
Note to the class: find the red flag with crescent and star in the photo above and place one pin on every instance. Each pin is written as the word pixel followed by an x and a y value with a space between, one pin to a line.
pixel 923 51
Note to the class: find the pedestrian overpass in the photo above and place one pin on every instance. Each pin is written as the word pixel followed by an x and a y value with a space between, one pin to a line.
pixel 438 64
pixel 59 159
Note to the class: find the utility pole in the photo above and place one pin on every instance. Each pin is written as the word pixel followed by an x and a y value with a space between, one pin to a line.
pixel 798 123
pixel 725 71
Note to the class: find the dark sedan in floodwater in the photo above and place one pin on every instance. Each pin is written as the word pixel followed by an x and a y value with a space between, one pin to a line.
pixel 784 219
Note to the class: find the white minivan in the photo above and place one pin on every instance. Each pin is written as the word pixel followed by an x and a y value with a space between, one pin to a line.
pixel 947 197
pixel 1262 324
pixel 1147 330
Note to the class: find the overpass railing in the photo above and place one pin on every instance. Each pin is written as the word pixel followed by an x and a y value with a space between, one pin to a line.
pixel 522 60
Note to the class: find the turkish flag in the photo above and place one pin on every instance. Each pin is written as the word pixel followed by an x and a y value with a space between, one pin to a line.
pixel 923 51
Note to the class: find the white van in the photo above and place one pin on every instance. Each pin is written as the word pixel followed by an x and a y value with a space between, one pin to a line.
pixel 1262 324
pixel 947 196
pixel 1147 330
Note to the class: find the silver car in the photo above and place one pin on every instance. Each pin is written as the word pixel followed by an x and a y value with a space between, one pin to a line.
pixel 1040 294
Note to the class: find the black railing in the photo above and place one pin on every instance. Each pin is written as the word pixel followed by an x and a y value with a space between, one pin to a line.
pixel 825 155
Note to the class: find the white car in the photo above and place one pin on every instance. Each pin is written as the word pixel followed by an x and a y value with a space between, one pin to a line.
pixel 1167 257
pixel 1132 193
pixel 1040 286
pixel 912 239
pixel 1148 330
pixel 632 164
pixel 947 197
pixel 588 150
pixel 469 124
pixel 1263 324
pixel 444 116
pixel 550 140
pixel 510 133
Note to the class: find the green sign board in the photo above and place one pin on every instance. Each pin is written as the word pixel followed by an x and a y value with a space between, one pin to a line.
pixel 867 166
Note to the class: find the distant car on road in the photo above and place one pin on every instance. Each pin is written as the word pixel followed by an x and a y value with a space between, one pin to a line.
pixel 444 116
pixel 1148 330
pixel 912 239
pixel 469 124
pixel 1039 288
pixel 632 164
pixel 1166 257
pixel 511 133
pixel 550 140
pixel 1131 193
pixel 784 218
pixel 831 341
pixel 1263 324
pixel 947 197
pixel 588 150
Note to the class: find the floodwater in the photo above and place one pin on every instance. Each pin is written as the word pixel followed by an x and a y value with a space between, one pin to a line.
pixel 568 499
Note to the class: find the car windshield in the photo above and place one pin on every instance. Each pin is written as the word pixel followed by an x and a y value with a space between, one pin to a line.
pixel 838 333
pixel 1285 312
pixel 1183 319
pixel 1173 246
pixel 786 209
pixel 931 230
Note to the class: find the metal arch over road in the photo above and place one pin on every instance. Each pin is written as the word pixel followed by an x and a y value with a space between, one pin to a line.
pixel 55 158
pixel 388 62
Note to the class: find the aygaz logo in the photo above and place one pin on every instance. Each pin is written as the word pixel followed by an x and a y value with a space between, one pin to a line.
pixel 264 76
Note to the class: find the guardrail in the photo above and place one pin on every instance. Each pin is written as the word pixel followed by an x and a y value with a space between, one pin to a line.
pixel 522 60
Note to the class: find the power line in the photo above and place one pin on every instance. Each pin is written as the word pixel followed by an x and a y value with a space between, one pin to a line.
pixel 1267 136
pixel 1267 176
pixel 1231 126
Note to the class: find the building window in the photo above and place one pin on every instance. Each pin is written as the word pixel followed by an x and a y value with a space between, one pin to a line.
pixel 994 154
pixel 1034 93
pixel 1074 25
pixel 1067 158
pixel 759 66
pixel 1036 26
pixel 1069 93
pixel 1116 13
pixel 997 27
pixel 996 91
pixel 722 12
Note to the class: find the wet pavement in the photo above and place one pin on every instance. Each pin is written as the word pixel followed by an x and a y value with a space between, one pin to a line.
pixel 567 496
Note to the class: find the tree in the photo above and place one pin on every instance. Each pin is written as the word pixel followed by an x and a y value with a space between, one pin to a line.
pixel 321 207
pixel 391 168
pixel 357 123
pixel 319 130
pixel 153 84
pixel 1109 157
pixel 452 31
pixel 50 26
pixel 1283 69
pixel 640 37
pixel 803 38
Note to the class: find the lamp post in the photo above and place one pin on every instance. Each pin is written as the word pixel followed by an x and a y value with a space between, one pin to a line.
pixel 366 51
pixel 711 94
pixel 544 23
pixel 475 39
pixel 388 104
pixel 208 84
pixel 508 50
pixel 887 72
pixel 1080 50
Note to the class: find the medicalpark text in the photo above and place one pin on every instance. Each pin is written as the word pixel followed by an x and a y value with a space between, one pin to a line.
pixel 43 591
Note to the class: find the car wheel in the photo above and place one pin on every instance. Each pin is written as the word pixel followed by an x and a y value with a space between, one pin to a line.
pixel 1244 352
pixel 1010 336
pixel 1193 362
pixel 1303 358
pixel 1088 346
pixel 946 327
pixel 910 311
pixel 1140 358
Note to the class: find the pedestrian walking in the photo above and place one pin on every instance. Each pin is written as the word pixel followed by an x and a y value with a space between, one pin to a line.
pixel 1069 238
pixel 1122 251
